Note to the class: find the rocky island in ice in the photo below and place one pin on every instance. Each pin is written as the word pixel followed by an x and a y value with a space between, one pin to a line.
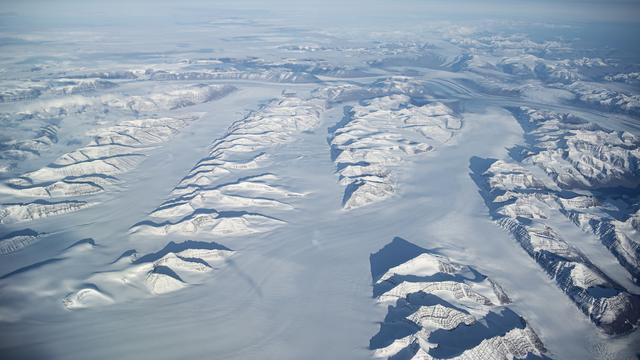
pixel 432 300
pixel 375 140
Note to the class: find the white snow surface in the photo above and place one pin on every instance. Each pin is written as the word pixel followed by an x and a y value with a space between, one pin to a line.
pixel 250 184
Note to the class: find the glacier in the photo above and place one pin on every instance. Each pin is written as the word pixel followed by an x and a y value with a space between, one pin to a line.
pixel 327 180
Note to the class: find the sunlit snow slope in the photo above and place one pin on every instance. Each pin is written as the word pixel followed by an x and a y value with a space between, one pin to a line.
pixel 247 185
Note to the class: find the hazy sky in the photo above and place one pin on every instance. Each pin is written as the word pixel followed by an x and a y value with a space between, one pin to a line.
pixel 40 12
pixel 611 23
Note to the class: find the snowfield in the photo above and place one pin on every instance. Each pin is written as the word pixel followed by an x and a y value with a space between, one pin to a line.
pixel 252 185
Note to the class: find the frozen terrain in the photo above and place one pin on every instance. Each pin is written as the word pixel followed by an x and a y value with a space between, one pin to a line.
pixel 444 308
pixel 246 180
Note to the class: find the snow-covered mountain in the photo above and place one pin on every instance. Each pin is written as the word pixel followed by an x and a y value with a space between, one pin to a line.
pixel 254 184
